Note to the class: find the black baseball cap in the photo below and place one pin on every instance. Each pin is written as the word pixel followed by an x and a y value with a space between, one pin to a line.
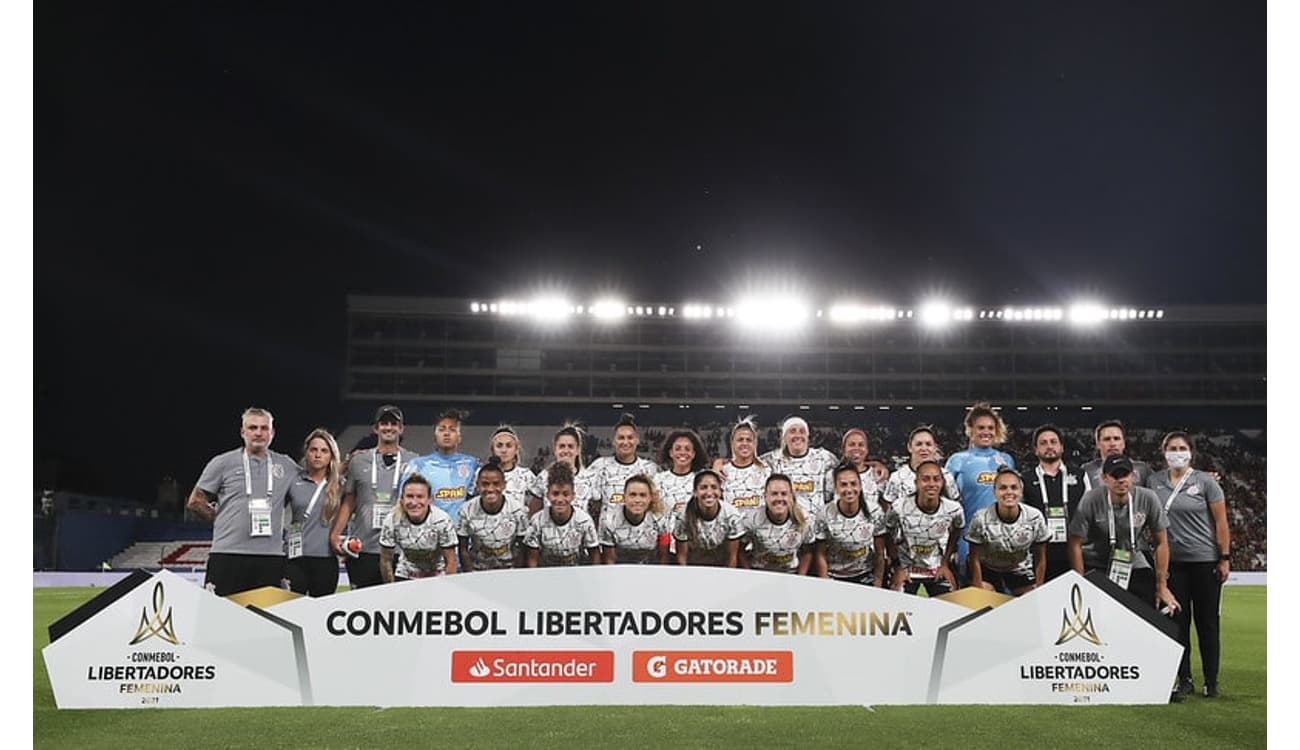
pixel 390 412
pixel 1117 466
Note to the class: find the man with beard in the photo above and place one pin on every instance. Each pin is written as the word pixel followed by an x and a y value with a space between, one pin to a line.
pixel 1055 491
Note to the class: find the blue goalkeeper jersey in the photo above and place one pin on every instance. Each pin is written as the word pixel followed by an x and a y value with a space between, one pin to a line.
pixel 451 479
pixel 975 469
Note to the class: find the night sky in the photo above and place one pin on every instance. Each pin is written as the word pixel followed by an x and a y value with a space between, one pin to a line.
pixel 210 183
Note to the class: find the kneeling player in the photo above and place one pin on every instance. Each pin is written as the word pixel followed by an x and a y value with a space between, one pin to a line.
pixel 927 525
pixel 1008 540
pixel 422 535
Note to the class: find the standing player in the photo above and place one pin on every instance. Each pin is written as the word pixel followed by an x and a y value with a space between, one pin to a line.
pixel 921 447
pixel 636 530
pixel 682 455
pixel 506 449
pixel 313 569
pixel 806 466
pixel 708 531
pixel 927 525
pixel 249 485
pixel 1111 441
pixel 977 466
pixel 370 492
pixel 744 476
pixel 449 472
pixel 778 536
pixel 566 447
pixel 1008 540
pixel 491 528
pixel 605 478
pixel 850 542
pixel 560 534
pixel 871 473
pixel 1054 491
pixel 423 536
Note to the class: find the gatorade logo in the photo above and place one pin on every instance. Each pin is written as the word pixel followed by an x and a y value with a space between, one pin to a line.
pixel 532 666
pixel 713 666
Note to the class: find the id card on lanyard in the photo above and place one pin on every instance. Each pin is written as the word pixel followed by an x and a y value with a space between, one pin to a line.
pixel 1056 519
pixel 383 500
pixel 294 540
pixel 259 508
pixel 1121 560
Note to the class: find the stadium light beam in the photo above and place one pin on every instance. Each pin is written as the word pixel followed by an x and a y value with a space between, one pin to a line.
pixel 608 309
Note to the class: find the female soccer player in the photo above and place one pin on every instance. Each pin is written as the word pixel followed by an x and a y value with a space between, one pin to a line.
pixel 927 525
pixel 490 527
pixel 708 531
pixel 850 543
pixel 566 447
pixel 806 466
pixel 506 448
pixel 1008 540
pixel 605 478
pixel 314 497
pixel 975 467
pixel 1198 555
pixel 744 476
pixel 921 446
pixel 872 473
pixel 682 455
pixel 636 530
pixel 562 533
pixel 778 536
pixel 422 535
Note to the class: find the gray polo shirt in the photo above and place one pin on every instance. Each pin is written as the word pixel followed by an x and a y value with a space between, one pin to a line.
pixel 371 481
pixel 232 528
pixel 1090 522
pixel 315 537
pixel 1191 527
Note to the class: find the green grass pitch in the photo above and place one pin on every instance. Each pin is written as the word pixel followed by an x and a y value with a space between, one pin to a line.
pixel 1237 719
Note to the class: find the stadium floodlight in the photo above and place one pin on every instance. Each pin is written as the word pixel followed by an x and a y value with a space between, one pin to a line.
pixel 1087 313
pixel 771 313
pixel 1160 314
pixel 473 307
pixel 936 314
pixel 549 309
pixel 608 309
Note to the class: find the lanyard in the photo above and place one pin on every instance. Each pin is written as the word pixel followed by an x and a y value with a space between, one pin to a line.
pixel 1042 486
pixel 248 476
pixel 374 469
pixel 1177 487
pixel 314 497
pixel 1110 517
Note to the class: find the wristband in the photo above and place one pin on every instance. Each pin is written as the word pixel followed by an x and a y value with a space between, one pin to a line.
pixel 1225 557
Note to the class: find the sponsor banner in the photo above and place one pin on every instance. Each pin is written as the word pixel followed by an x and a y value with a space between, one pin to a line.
pixel 640 634
pixel 1069 642
pixel 170 643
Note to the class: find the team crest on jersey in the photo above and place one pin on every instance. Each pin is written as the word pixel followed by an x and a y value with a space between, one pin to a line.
pixel 1193 490
pixel 1139 519
pixel 463 470
pixel 1070 479
pixel 999 459
pixel 1022 535
pixel 986 477
pixel 277 471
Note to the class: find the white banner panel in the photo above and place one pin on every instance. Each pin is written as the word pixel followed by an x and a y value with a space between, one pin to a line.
pixel 597 635
pixel 1069 642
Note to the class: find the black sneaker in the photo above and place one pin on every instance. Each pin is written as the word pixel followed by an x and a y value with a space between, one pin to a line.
pixel 1212 690
pixel 1175 696
pixel 1185 687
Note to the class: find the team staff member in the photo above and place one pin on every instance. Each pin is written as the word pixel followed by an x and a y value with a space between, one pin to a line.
pixel 807 467
pixel 560 534
pixel 926 526
pixel 449 472
pixel 370 492
pixel 1054 491
pixel 422 535
pixel 1198 555
pixel 682 455
pixel 490 528
pixel 1008 540
pixel 603 481
pixel 1107 534
pixel 850 542
pixel 313 569
pixel 708 531
pixel 636 530
pixel 249 485
pixel 976 467
pixel 1111 441
pixel 778 536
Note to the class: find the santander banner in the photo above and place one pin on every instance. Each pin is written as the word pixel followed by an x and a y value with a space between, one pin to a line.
pixel 605 635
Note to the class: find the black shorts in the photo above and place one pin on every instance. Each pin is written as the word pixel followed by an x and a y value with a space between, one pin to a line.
pixel 313 576
pixel 230 573
pixel 363 570
pixel 933 586
pixel 1007 582
pixel 866 579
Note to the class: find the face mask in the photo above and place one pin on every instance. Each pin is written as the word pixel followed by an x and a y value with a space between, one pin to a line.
pixel 1178 460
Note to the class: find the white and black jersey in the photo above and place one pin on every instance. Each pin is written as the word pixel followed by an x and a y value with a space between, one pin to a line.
pixel 849 540
pixel 419 545
pixel 559 544
pixel 707 538
pixel 743 488
pixel 632 542
pixel 491 538
pixel 807 473
pixel 1007 547
pixel 923 537
pixel 775 546
pixel 674 490
pixel 605 478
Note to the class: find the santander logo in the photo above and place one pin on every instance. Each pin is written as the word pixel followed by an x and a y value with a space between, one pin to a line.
pixel 532 666
pixel 480 669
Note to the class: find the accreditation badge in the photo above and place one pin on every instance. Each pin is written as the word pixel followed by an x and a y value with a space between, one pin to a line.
pixel 294 541
pixel 259 515
pixel 1121 568
pixel 380 510
pixel 1056 524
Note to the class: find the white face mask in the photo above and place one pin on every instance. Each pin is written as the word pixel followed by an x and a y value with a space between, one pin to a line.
pixel 1178 459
